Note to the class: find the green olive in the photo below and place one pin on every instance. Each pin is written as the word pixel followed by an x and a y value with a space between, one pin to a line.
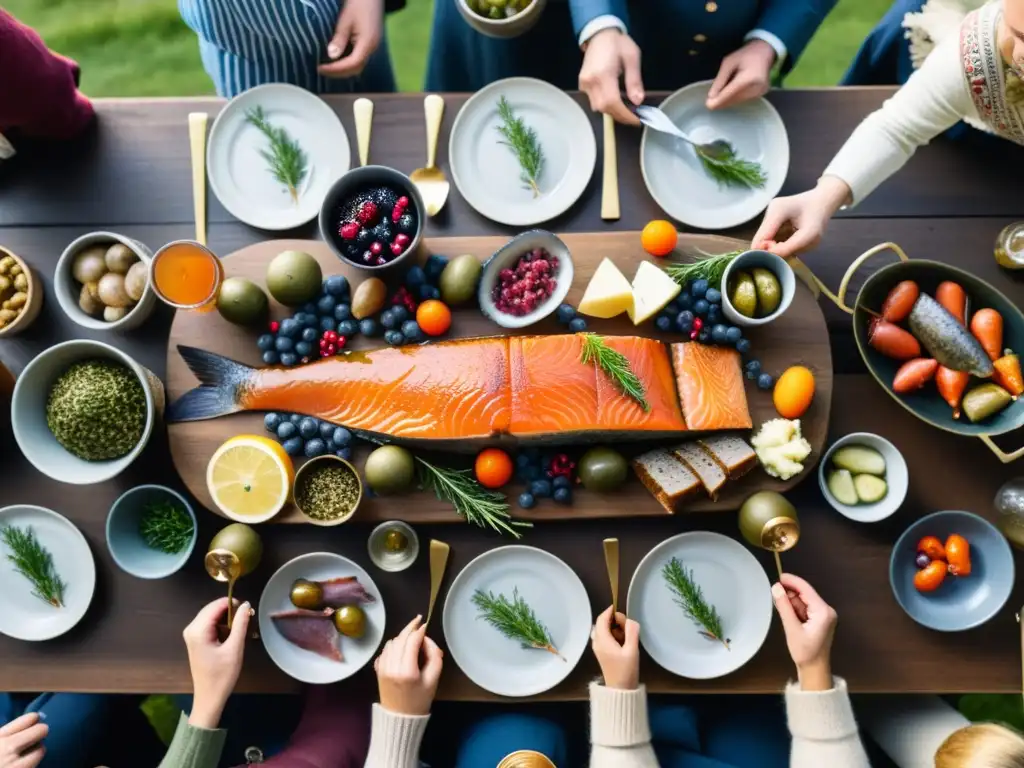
pixel 389 469
pixel 769 292
pixel 602 469
pixel 395 542
pixel 307 594
pixel 350 620
pixel 459 279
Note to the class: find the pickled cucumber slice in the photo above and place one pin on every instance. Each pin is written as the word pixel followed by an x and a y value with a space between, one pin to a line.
pixel 859 460
pixel 870 488
pixel 840 485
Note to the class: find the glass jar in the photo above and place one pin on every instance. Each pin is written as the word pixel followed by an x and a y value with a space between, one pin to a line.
pixel 1009 248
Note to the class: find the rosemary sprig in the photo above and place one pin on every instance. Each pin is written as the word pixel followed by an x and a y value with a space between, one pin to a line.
pixel 690 597
pixel 615 366
pixel 285 158
pixel 165 526
pixel 522 140
pixel 33 561
pixel 730 170
pixel 515 619
pixel 479 506
pixel 710 267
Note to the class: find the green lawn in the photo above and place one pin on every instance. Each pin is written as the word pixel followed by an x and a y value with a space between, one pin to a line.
pixel 141 48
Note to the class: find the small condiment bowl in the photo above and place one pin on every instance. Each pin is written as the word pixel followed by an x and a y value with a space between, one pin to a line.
pixel 507 256
pixel 28 412
pixel 68 290
pixel 321 461
pixel 33 302
pixel 897 478
pixel 513 26
pixel 393 561
pixel 749 260
pixel 124 537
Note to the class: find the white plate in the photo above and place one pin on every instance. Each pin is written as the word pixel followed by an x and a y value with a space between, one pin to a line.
pixel 303 665
pixel 238 173
pixel 25 616
pixel 486 171
pixel 678 182
pixel 732 580
pixel 558 598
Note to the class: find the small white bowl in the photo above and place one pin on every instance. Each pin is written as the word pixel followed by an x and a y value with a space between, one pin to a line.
pixel 28 412
pixel 124 539
pixel 512 26
pixel 749 260
pixel 896 477
pixel 508 255
pixel 67 289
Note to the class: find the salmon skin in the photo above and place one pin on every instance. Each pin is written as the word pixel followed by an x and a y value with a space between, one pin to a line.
pixel 452 395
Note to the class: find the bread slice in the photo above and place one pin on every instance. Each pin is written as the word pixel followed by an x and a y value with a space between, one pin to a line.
pixel 731 453
pixel 667 478
pixel 711 476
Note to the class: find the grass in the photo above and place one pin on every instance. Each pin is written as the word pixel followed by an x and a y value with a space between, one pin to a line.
pixel 142 48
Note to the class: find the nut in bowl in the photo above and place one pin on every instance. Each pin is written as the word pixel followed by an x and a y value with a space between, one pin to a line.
pixel 757 287
pixel 526 279
pixel 864 477
pixel 21 294
pixel 328 490
pixel 501 18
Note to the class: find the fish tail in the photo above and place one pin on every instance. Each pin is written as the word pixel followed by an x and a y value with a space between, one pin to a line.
pixel 221 383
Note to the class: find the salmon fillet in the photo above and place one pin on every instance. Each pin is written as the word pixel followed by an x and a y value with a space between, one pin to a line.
pixel 651 365
pixel 551 390
pixel 711 391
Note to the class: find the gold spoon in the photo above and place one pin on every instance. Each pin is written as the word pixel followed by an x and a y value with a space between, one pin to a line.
pixel 611 561
pixel 225 565
pixel 197 142
pixel 438 560
pixel 431 181
pixel 362 110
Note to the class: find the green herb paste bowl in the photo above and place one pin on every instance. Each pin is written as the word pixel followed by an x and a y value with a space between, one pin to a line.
pixel 126 542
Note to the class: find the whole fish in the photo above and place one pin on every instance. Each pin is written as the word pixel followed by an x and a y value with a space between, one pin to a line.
pixel 947 340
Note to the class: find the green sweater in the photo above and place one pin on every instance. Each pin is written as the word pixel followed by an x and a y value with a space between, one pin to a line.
pixel 194 747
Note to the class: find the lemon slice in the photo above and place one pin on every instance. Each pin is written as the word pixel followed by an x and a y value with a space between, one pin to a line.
pixel 250 478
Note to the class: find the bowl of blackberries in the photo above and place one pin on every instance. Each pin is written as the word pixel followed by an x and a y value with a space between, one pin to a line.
pixel 372 217
pixel 526 279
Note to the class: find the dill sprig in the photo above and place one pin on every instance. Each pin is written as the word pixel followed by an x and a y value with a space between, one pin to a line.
pixel 690 597
pixel 33 561
pixel 515 619
pixel 165 526
pixel 479 506
pixel 615 366
pixel 285 158
pixel 710 267
pixel 730 170
pixel 522 140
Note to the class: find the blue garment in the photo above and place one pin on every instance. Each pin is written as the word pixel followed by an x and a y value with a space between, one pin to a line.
pixel 682 41
pixel 245 43
pixel 75 720
pixel 487 741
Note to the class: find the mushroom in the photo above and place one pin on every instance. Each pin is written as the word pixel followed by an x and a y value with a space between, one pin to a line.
pixel 89 300
pixel 89 265
pixel 135 281
pixel 119 258
pixel 112 292
pixel 113 314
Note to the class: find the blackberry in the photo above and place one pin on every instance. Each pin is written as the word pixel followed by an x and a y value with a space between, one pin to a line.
pixel 407 223
pixel 385 198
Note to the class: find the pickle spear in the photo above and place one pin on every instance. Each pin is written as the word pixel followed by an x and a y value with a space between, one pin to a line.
pixel 946 339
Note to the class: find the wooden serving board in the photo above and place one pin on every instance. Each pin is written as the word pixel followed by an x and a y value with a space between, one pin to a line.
pixel 800 337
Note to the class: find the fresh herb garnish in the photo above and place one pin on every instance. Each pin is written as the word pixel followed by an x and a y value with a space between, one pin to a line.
pixel 615 366
pixel 690 597
pixel 710 267
pixel 522 140
pixel 285 158
pixel 730 170
pixel 479 506
pixel 165 526
pixel 33 561
pixel 515 619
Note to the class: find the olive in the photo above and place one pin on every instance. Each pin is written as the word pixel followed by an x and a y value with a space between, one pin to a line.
pixel 307 594
pixel 350 620
pixel 769 292
pixel 395 542
pixel 743 294
pixel 389 469
pixel 459 278
pixel 602 469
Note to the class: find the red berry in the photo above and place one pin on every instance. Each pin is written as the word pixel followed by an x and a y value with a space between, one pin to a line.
pixel 402 202
pixel 381 261
pixel 693 335
pixel 331 349
pixel 367 214
pixel 402 239
pixel 324 343
pixel 342 341
pixel 274 325
pixel 349 230
pixel 397 248
pixel 367 256
pixel 376 247
pixel 697 323
pixel 331 335
pixel 396 214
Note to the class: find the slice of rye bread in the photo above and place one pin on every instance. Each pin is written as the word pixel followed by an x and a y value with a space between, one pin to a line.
pixel 712 476
pixel 668 479
pixel 731 453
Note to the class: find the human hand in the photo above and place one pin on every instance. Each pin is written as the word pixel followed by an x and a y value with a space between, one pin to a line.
pixel 795 224
pixel 611 54
pixel 744 74
pixel 21 742
pixel 809 639
pixel 406 688
pixel 361 23
pixel 620 662
pixel 215 665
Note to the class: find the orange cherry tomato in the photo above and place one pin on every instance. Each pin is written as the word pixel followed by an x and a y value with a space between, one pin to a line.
pixel 493 468
pixel 930 578
pixel 434 317
pixel 958 555
pixel 659 237
pixel 932 547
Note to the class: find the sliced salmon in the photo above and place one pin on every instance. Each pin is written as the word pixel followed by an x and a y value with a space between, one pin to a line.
pixel 650 363
pixel 710 382
pixel 552 391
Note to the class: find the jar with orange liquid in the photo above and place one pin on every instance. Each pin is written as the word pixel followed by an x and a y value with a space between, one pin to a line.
pixel 186 275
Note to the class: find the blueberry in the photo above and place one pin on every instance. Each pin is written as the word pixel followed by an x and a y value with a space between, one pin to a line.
pixel 541 488
pixel 522 461
pixel 411 331
pixel 344 453
pixel 743 346
pixel 270 357
pixel 565 313
pixel 309 308
pixel 384 231
pixel 327 324
pixel 714 313
pixel 407 223
pixel 326 305
pixel 429 292
pixel 765 381
pixel 561 481
pixel 733 334
pixel 563 496
pixel 265 342
pixel 292 446
pixel 704 336
pixel 578 325
pixel 388 321
pixel 684 301
pixel 394 338
pixel 341 437
pixel 286 429
pixel 272 421
pixel 315 447
pixel 922 560
pixel 415 276
pixel 337 285
pixel 532 473
pixel 342 312
pixel 288 327
pixel 283 344
pixel 753 366
pixel 368 326
pixel 718 333
pixel 326 430
pixel 303 348
pixel 684 320
pixel 310 335
pixel 701 306
pixel 663 323
pixel 296 419
pixel 401 313
pixel 699 288
pixel 527 501
pixel 714 296
pixel 308 427
pixel 435 266
pixel 347 328
pixel 672 308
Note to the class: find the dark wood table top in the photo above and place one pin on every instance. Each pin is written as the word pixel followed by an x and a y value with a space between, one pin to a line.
pixel 131 175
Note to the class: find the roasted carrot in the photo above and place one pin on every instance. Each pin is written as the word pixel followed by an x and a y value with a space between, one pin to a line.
pixel 892 341
pixel 987 327
pixel 900 301
pixel 952 297
pixel 914 374
pixel 1008 374
pixel 951 385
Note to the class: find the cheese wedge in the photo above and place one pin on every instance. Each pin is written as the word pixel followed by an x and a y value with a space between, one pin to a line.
pixel 608 294
pixel 652 290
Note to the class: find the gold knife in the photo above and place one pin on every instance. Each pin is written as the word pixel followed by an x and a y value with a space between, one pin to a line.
pixel 610 182
pixel 611 561
pixel 438 561
pixel 362 109
pixel 197 142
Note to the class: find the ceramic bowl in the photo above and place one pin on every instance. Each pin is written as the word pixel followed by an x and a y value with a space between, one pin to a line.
pixel 28 412
pixel 125 541
pixel 33 303
pixel 896 477
pixel 320 461
pixel 960 602
pixel 67 289
pixel 355 181
pixel 749 260
pixel 507 256
pixel 510 27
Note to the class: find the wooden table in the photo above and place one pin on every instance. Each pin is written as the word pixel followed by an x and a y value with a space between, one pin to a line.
pixel 131 175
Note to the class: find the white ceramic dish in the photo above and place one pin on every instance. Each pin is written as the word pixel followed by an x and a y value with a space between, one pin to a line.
pixel 393 562
pixel 732 580
pixel 68 289
pixel 507 256
pixel 238 174
pixel 514 26
pixel 25 616
pixel 124 537
pixel 558 598
pixel 897 478
pixel 304 665
pixel 678 182
pixel 28 412
pixel 486 171
pixel 750 260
